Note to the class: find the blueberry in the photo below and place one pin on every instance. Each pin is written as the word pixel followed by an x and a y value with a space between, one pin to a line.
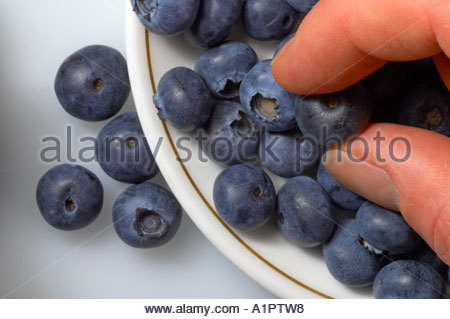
pixel 408 279
pixel 244 196
pixel 166 17
pixel 386 86
pixel 426 106
pixel 426 255
pixel 288 154
pixel 283 43
pixel 339 195
pixel 215 21
pixel 146 216
pixel 392 82
pixel 303 6
pixel 269 19
pixel 224 67
pixel 183 99
pixel 349 259
pixel 334 118
pixel 385 230
pixel 304 212
pixel 123 151
pixel 269 105
pixel 232 136
pixel 69 197
pixel 92 84
pixel 423 71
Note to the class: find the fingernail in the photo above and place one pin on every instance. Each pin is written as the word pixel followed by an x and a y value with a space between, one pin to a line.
pixel 282 51
pixel 363 178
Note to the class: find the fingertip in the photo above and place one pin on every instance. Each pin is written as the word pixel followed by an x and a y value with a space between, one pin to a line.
pixel 403 166
pixel 283 64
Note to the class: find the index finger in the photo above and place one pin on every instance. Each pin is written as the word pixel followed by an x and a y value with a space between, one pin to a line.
pixel 341 41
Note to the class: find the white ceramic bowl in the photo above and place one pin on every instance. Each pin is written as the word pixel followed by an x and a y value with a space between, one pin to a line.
pixel 281 267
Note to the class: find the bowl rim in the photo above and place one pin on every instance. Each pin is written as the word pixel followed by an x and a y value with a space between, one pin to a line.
pixel 264 272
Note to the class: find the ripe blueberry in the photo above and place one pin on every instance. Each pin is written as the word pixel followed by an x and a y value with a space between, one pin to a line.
pixel 304 212
pixel 123 151
pixel 424 254
pixel 92 84
pixel 408 279
pixel 268 19
pixel 428 107
pixel 336 117
pixel 183 99
pixel 69 197
pixel 349 259
pixel 224 67
pixel 166 17
pixel 385 230
pixel 269 105
pixel 288 154
pixel 244 196
pixel 146 216
pixel 215 21
pixel 303 6
pixel 232 135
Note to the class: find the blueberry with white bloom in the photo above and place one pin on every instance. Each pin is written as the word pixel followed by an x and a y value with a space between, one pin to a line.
pixel 166 17
pixel 224 67
pixel 303 6
pixel 269 19
pixel 289 153
pixel 232 136
pixel 349 259
pixel 304 212
pixel 267 103
pixel 408 279
pixel 216 19
pixel 183 99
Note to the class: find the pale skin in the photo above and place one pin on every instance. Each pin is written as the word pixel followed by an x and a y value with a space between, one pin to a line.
pixel 341 42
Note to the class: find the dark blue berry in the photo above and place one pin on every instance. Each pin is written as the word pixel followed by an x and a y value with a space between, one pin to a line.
pixel 224 67
pixel 387 86
pixel 269 19
pixel 269 105
pixel 349 259
pixel 123 151
pixel 339 195
pixel 232 136
pixel 69 197
pixel 146 216
pixel 385 230
pixel 244 197
pixel 426 255
pixel 288 154
pixel 336 117
pixel 303 6
pixel 426 106
pixel 183 99
pixel 304 212
pixel 92 84
pixel 408 279
pixel 166 17
pixel 215 21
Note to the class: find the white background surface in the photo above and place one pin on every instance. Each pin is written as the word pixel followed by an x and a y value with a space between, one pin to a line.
pixel 37 261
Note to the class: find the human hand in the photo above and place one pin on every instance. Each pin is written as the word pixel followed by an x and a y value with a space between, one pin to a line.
pixel 342 41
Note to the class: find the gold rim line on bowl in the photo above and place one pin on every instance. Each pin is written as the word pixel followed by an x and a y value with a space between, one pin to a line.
pixel 205 201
